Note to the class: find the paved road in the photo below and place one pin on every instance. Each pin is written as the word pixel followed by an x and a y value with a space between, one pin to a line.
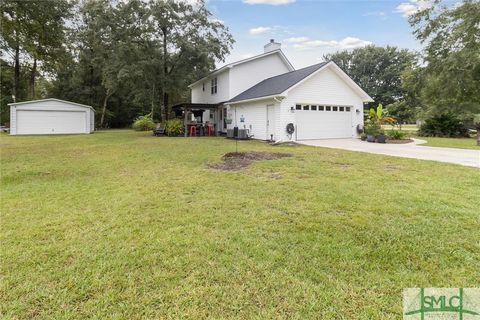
pixel 463 157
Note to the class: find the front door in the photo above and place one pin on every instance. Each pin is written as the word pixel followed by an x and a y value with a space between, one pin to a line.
pixel 270 122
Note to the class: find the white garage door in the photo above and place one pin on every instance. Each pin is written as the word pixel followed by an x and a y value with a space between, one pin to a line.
pixel 51 122
pixel 323 122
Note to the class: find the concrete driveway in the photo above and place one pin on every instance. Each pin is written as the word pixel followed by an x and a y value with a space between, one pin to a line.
pixel 413 150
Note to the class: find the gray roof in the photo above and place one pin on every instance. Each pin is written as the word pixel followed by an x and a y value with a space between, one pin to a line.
pixel 278 84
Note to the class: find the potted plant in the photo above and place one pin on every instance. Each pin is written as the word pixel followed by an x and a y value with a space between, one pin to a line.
pixel 376 119
pixel 363 136
pixel 372 128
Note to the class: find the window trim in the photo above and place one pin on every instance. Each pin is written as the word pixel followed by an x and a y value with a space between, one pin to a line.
pixel 214 86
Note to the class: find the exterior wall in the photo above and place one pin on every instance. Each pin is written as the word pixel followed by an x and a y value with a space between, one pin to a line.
pixel 223 89
pixel 50 105
pixel 246 75
pixel 325 87
pixel 254 115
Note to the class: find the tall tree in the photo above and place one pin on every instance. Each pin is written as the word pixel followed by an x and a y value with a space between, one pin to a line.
pixel 376 69
pixel 191 42
pixel 451 72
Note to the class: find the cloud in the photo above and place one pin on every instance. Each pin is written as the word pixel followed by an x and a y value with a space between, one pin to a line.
pixel 296 40
pixel 346 43
pixel 214 20
pixel 259 30
pixel 382 15
pixel 412 7
pixel 269 2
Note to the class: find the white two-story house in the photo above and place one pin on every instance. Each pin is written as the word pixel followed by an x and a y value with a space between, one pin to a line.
pixel 267 96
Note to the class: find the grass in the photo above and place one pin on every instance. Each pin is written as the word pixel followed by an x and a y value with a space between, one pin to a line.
pixel 122 225
pixel 405 127
pixel 462 143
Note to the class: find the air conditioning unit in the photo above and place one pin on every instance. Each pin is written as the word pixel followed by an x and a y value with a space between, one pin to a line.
pixel 229 133
pixel 243 134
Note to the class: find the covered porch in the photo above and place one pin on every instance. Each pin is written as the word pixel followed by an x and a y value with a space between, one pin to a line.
pixel 201 119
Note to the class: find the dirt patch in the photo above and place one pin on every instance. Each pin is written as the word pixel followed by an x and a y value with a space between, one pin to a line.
pixel 400 141
pixel 234 161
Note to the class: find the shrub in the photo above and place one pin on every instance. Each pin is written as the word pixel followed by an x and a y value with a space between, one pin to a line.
pixel 174 127
pixel 443 125
pixel 143 123
pixel 373 128
pixel 396 134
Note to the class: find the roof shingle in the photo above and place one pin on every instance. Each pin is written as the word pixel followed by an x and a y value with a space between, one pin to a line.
pixel 278 84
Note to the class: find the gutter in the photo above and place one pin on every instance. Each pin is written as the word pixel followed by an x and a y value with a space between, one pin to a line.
pixel 274 96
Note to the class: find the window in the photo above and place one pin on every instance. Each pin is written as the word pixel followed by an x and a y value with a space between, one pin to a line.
pixel 298 107
pixel 328 108
pixel 347 109
pixel 314 108
pixel 321 108
pixel 203 86
pixel 335 108
pixel 214 86
pixel 307 107
pixel 342 109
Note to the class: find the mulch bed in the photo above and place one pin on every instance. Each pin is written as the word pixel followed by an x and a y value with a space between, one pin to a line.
pixel 234 161
pixel 400 141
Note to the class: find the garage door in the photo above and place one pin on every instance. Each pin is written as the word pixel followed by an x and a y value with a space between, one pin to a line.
pixel 51 122
pixel 323 122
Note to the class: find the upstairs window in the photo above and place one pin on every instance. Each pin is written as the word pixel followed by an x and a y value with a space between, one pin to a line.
pixel 298 107
pixel 214 86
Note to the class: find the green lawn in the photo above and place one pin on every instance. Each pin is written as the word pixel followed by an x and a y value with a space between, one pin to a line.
pixel 463 143
pixel 122 225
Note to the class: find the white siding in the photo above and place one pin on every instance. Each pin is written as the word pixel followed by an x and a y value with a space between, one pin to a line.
pixel 255 117
pixel 239 78
pixel 326 88
pixel 223 88
pixel 246 75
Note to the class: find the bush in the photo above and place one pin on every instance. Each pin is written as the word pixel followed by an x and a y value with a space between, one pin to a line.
pixel 396 134
pixel 373 128
pixel 144 123
pixel 174 127
pixel 443 125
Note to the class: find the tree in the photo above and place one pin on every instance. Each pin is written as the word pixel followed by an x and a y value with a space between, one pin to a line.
pixel 190 41
pixel 377 70
pixel 34 31
pixel 451 73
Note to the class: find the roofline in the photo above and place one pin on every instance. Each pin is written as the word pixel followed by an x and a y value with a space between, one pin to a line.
pixel 346 77
pixel 231 65
pixel 272 96
pixel 50 99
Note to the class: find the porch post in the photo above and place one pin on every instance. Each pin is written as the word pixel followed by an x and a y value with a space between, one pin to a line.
pixel 185 121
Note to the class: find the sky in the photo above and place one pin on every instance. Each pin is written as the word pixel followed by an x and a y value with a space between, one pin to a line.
pixel 307 29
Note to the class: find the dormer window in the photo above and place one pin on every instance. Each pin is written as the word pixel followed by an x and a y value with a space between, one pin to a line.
pixel 214 86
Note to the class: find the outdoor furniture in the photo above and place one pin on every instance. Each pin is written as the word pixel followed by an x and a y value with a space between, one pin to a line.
pixel 158 132
pixel 193 131
pixel 210 130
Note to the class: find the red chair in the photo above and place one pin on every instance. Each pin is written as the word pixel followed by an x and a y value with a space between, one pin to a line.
pixel 210 130
pixel 193 131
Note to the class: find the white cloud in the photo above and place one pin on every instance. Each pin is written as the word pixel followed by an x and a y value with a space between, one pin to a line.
pixel 413 6
pixel 346 43
pixel 382 15
pixel 269 2
pixel 259 30
pixel 217 21
pixel 296 39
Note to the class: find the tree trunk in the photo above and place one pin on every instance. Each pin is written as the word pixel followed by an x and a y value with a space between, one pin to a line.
pixel 16 74
pixel 153 101
pixel 32 79
pixel 165 72
pixel 478 134
pixel 104 108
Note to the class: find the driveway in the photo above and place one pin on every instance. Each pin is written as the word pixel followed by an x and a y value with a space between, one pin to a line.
pixel 413 150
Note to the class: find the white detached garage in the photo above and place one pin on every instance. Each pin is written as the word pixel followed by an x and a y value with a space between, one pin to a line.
pixel 51 116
